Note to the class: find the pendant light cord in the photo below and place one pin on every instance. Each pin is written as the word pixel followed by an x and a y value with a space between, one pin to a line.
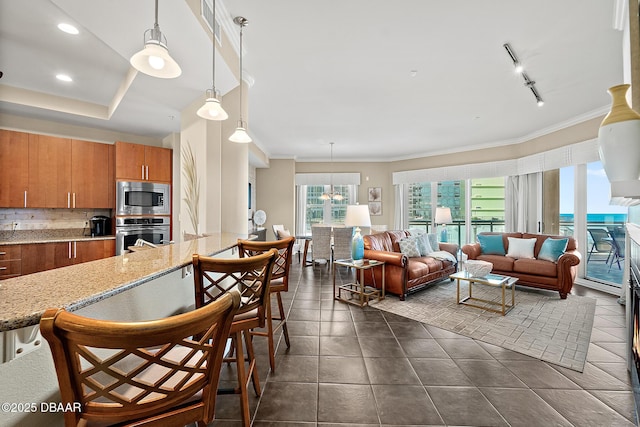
pixel 241 28
pixel 213 50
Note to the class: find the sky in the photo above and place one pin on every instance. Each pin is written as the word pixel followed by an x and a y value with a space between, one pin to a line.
pixel 597 188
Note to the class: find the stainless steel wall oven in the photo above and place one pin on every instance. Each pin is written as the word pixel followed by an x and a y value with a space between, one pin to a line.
pixel 153 229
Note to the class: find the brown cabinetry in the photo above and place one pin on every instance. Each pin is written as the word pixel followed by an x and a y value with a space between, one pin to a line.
pixel 14 168
pixel 41 171
pixel 35 257
pixel 136 162
pixel 10 261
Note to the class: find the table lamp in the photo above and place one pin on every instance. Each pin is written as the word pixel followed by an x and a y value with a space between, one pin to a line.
pixel 443 217
pixel 357 216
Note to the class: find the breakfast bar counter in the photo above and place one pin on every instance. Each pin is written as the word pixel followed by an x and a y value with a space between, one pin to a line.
pixel 23 299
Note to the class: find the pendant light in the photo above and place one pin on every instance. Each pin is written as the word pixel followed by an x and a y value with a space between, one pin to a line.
pixel 240 135
pixel 331 195
pixel 154 58
pixel 212 109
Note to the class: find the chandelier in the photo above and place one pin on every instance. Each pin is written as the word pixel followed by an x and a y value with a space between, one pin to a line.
pixel 332 195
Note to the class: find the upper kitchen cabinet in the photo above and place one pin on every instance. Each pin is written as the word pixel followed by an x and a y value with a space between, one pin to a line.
pixel 14 168
pixel 138 162
pixel 49 172
pixel 69 173
pixel 92 177
pixel 40 171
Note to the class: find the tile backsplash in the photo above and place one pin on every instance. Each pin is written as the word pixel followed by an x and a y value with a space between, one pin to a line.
pixel 46 219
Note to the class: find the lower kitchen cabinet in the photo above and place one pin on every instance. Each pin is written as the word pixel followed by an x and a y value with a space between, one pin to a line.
pixel 37 257
pixel 10 264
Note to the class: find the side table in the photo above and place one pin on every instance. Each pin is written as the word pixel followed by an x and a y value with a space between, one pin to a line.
pixel 358 289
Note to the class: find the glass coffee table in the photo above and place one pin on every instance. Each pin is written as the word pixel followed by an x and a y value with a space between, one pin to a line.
pixel 493 280
pixel 357 293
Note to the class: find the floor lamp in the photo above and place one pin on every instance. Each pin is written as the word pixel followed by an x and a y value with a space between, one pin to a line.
pixel 443 217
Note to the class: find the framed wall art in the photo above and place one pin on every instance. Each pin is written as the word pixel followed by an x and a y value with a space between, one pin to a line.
pixel 375 194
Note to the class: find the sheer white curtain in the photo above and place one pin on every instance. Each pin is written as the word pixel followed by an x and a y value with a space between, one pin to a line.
pixel 522 203
pixel 301 208
pixel 401 213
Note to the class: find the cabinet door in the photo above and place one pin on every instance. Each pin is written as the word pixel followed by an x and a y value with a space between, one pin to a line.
pixel 49 172
pixel 90 177
pixel 10 262
pixel 130 161
pixel 63 254
pixel 93 250
pixel 14 167
pixel 158 160
pixel 38 257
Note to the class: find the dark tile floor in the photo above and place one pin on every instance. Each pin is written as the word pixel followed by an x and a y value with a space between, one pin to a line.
pixel 365 367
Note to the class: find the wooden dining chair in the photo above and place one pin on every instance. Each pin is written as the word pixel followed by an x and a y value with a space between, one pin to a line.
pixel 279 284
pixel 140 373
pixel 251 276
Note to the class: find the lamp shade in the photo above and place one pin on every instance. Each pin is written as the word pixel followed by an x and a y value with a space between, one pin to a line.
pixel 212 110
pixel 443 216
pixel 357 216
pixel 240 136
pixel 154 60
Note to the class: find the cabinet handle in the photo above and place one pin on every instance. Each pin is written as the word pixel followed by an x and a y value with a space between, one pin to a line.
pixel 147 173
pixel 25 198
pixel 68 200
pixel 75 251
pixel 74 200
pixel 142 171
pixel 69 250
pixel 3 268
pixel 3 253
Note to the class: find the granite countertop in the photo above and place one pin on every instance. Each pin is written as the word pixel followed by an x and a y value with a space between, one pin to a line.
pixel 21 237
pixel 23 299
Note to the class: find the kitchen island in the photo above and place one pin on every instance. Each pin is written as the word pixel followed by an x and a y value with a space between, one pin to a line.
pixel 142 285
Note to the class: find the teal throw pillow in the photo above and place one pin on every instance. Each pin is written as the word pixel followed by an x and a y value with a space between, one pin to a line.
pixel 423 244
pixel 409 247
pixel 433 241
pixel 491 244
pixel 552 249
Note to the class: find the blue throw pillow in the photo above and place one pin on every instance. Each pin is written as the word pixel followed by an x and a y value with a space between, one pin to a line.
pixel 491 244
pixel 552 249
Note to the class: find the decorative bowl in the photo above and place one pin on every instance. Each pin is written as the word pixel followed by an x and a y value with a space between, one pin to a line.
pixel 477 268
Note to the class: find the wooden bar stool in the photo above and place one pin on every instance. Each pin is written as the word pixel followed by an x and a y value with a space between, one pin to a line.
pixel 213 278
pixel 140 373
pixel 279 283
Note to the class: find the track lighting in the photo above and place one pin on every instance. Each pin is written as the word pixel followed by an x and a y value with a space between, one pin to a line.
pixel 519 68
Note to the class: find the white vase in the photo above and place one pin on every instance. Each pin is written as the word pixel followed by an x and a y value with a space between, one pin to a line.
pixel 619 138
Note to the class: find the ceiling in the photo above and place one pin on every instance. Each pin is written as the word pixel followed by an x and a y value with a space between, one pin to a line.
pixel 382 80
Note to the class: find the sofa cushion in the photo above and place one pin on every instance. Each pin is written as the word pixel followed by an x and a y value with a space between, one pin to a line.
pixel 420 267
pixel 500 262
pixel 552 249
pixel 378 242
pixel 395 237
pixel 409 247
pixel 521 248
pixel 491 244
pixel 536 267
pixel 433 241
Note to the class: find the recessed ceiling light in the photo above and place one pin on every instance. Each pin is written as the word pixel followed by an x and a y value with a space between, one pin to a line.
pixel 64 77
pixel 68 28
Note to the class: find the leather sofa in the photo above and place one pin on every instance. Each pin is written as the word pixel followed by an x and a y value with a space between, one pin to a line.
pixel 537 273
pixel 404 275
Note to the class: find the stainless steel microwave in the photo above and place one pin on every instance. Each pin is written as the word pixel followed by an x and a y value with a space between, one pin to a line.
pixel 143 198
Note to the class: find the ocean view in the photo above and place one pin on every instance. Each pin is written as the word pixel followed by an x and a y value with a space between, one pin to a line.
pixel 598 218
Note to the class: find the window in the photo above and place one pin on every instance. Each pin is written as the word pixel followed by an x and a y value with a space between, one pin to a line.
pixel 318 211
pixel 487 205
pixel 420 209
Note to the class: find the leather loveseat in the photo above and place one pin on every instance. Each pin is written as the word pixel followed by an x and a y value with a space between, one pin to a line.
pixel 404 275
pixel 538 273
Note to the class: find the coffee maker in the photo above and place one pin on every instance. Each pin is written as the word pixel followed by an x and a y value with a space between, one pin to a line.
pixel 100 225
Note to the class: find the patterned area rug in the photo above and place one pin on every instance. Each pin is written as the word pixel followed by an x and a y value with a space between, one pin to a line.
pixel 540 325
